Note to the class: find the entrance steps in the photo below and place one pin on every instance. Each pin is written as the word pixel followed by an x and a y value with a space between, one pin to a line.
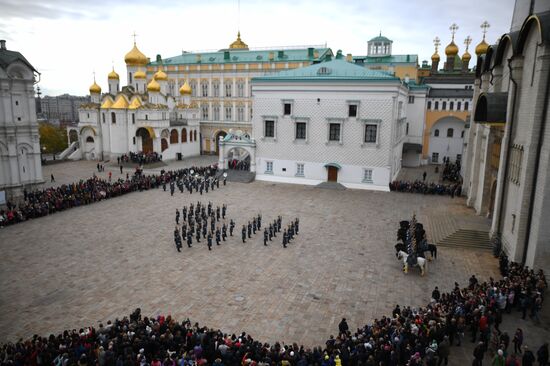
pixel 239 176
pixel 464 238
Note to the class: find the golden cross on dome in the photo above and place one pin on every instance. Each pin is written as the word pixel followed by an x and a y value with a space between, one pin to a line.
pixel 94 76
pixel 437 43
pixel 134 35
pixel 484 26
pixel 453 28
pixel 467 42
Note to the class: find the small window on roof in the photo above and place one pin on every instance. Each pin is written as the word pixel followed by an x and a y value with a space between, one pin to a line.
pixel 259 57
pixel 212 58
pixel 234 58
pixel 324 71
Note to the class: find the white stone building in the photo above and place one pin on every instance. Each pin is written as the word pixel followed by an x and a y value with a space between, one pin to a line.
pixel 20 163
pixel 140 117
pixel 331 121
pixel 508 159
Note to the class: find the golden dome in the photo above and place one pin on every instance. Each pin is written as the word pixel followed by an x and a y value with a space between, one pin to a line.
pixel 435 57
pixel 238 44
pixel 135 57
pixel 140 74
pixel 160 74
pixel 120 103
pixel 185 89
pixel 107 103
pixel 113 75
pixel 451 49
pixel 481 48
pixel 153 86
pixel 466 56
pixel 95 88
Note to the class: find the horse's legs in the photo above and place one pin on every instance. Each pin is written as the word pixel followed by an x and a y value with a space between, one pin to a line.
pixel 405 267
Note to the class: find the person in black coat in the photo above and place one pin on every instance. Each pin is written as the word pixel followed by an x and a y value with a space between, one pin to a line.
pixel 343 326
pixel 209 241
pixel 249 230
pixel 231 227
pixel 177 239
pixel 218 236
pixel 542 355
pixel 244 234
pixel 285 238
pixel 224 232
pixel 189 239
pixel 265 236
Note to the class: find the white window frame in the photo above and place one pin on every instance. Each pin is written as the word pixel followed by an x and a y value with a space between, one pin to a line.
pixel 365 175
pixel 298 173
pixel 268 164
pixel 215 89
pixel 240 89
pixel 204 108
pixel 216 113
pixel 229 109
pixel 269 118
pixel 365 122
pixel 301 120
pixel 240 113
pixel 287 101
pixel 204 89
pixel 228 89
pixel 339 121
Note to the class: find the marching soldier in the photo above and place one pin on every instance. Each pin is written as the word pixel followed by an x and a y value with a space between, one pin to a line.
pixel 218 236
pixel 285 238
pixel 217 183
pixel 224 180
pixel 184 213
pixel 218 213
pixel 172 188
pixel 198 235
pixel 164 184
pixel 244 234
pixel 204 230
pixel 275 228
pixel 209 241
pixel 231 227
pixel 270 232
pixel 279 221
pixel 224 232
pixel 177 239
pixel 254 225
pixel 249 230
pixel 212 224
pixel 265 236
pixel 224 208
pixel 297 225
pixel 259 221
pixel 209 208
pixel 189 239
pixel 177 216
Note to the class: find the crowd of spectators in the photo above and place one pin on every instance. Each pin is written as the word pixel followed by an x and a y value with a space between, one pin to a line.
pixel 426 188
pixel 451 171
pixel 239 164
pixel 140 158
pixel 50 200
pixel 410 336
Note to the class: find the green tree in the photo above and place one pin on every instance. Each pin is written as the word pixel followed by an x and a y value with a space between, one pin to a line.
pixel 53 138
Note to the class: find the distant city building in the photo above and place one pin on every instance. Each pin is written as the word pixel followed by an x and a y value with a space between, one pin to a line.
pixel 62 108
pixel 507 174
pixel 20 163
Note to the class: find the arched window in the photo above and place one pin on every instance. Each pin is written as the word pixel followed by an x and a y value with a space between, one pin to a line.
pixel 450 132
pixel 174 136
pixel 163 145
pixel 204 88
pixel 184 135
pixel 436 133
pixel 113 117
pixel 436 106
pixel 195 135
pixel 444 107
pixel 429 105
pixel 89 139
pixel 190 136
pixel 462 134
pixel 193 85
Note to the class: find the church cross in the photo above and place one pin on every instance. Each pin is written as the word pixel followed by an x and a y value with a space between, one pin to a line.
pixel 484 26
pixel 134 35
pixel 467 42
pixel 453 28
pixel 437 43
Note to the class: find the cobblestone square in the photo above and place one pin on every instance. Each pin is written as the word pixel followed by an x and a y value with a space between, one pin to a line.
pixel 99 262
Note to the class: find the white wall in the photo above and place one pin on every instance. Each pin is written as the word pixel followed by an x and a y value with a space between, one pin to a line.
pixel 446 146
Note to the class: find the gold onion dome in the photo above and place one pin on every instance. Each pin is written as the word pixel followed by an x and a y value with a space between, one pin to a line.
pixel 140 74
pixel 160 74
pixel 95 88
pixel 481 48
pixel 113 75
pixel 153 86
pixel 238 44
pixel 466 56
pixel 451 49
pixel 435 57
pixel 135 57
pixel 185 89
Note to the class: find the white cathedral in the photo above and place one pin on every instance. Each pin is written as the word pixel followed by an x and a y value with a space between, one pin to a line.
pixel 141 116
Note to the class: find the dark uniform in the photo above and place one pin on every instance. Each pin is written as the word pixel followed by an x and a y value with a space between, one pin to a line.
pixel 270 232
pixel 285 238
pixel 224 232
pixel 218 213
pixel 177 239
pixel 265 236
pixel 254 226
pixel 172 188
pixel 249 230
pixel 177 216
pixel 244 234
pixel 279 221
pixel 259 221
pixel 274 228
pixel 189 239
pixel 231 227
pixel 297 225
pixel 209 241
pixel 224 208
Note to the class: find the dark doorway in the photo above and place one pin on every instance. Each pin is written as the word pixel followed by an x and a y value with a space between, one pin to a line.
pixel 332 174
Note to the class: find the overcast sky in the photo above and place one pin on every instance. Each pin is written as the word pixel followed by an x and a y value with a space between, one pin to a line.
pixel 66 40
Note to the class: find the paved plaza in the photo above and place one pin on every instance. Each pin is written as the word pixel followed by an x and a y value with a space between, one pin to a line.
pixel 99 262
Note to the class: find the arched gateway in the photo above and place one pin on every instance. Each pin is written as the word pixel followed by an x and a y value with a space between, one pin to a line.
pixel 236 141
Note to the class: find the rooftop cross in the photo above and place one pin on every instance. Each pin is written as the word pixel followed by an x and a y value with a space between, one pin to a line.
pixel 484 26
pixel 467 42
pixel 437 43
pixel 134 35
pixel 453 28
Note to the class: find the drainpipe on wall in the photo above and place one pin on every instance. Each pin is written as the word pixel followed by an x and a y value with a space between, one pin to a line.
pixel 537 164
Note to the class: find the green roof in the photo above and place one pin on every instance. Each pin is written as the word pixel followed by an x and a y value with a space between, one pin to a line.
pixel 381 38
pixel 7 57
pixel 391 59
pixel 237 56
pixel 337 69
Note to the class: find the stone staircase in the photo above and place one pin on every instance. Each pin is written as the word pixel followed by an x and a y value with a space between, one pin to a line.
pixel 239 176
pixel 465 238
